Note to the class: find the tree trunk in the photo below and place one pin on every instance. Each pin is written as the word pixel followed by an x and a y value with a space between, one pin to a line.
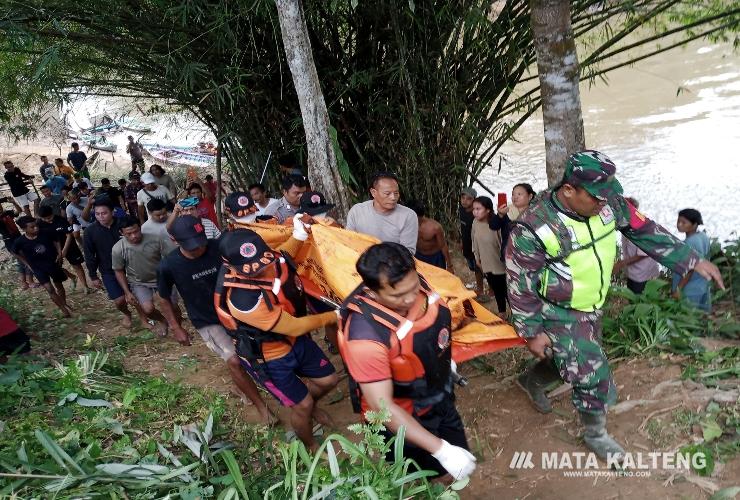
pixel 322 162
pixel 557 64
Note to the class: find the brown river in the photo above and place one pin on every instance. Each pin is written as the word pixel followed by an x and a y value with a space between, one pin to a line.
pixel 671 151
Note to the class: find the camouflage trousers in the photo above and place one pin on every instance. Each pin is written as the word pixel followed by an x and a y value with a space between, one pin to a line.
pixel 581 361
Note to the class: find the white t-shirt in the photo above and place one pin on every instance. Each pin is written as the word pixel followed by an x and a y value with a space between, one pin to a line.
pixel 161 193
pixel 83 180
pixel 270 203
pixel 75 213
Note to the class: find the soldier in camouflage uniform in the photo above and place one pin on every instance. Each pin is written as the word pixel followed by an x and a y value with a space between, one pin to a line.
pixel 559 263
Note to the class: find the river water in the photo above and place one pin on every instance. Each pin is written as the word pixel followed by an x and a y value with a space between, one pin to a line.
pixel 671 151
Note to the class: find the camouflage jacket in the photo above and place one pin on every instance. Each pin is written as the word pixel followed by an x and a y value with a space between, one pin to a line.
pixel 525 259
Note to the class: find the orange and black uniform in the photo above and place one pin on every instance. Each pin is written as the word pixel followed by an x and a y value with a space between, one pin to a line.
pixel 414 353
pixel 268 319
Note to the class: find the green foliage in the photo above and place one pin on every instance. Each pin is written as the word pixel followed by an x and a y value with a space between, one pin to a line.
pixel 361 470
pixel 651 321
pixel 709 367
pixel 720 429
pixel 706 457
pixel 727 257
pixel 83 427
pixel 428 90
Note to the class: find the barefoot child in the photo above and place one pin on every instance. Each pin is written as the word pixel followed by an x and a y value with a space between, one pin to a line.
pixel 487 251
pixel 43 255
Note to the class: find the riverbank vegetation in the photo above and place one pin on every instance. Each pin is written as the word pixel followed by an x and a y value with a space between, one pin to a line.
pixel 430 91
pixel 75 422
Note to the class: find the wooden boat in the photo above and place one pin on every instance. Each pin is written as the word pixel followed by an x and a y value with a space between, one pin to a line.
pixel 180 157
pixel 101 123
pixel 102 144
pixel 134 125
pixel 91 160
pixel 103 128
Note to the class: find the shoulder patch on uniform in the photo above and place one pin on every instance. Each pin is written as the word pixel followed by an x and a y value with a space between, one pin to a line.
pixel 606 215
pixel 637 220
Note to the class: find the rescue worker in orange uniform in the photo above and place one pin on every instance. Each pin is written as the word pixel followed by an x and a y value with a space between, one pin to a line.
pixel 259 298
pixel 395 341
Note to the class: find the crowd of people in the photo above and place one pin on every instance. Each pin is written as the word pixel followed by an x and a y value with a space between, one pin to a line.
pixel 156 247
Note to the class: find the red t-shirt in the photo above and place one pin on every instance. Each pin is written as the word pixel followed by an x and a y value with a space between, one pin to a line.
pixel 206 210
pixel 211 187
pixel 7 325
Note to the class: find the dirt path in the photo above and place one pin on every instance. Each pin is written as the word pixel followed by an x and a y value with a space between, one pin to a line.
pixel 498 417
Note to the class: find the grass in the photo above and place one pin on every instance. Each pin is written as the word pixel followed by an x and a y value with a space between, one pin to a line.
pixel 653 323
pixel 87 428
pixel 78 425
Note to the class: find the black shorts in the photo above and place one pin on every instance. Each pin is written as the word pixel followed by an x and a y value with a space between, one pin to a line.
pixel 74 256
pixel 15 342
pixel 443 421
pixel 53 273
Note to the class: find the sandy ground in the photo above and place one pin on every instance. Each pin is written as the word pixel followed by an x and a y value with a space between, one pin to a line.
pixel 114 166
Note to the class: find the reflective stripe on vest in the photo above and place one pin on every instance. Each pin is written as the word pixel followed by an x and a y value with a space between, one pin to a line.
pixel 588 265
pixel 420 369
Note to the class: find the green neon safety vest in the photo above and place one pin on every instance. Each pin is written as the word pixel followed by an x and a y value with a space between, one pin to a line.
pixel 583 253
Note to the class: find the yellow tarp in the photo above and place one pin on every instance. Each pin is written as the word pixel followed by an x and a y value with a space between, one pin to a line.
pixel 328 260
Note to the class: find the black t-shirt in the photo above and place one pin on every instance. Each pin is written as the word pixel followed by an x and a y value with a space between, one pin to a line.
pixel 195 280
pixel 40 252
pixel 16 180
pixel 77 159
pixel 466 226
pixel 98 242
pixel 112 194
pixel 57 229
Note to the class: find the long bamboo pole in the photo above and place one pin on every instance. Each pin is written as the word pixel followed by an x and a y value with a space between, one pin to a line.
pixel 219 215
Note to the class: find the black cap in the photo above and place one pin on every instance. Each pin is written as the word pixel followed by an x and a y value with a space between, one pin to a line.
pixel 313 203
pixel 189 233
pixel 239 204
pixel 246 251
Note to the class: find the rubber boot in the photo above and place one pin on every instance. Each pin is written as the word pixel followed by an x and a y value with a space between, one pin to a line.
pixel 597 439
pixel 534 381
